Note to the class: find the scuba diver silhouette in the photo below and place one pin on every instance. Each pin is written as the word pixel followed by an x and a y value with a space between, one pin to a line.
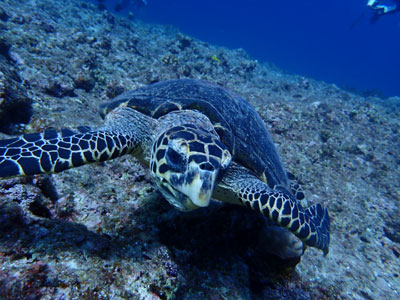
pixel 379 8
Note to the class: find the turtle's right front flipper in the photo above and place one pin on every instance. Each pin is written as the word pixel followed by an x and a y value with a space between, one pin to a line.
pixel 52 152
pixel 125 131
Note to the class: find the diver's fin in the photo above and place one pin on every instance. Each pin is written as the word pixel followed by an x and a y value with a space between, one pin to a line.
pixel 355 23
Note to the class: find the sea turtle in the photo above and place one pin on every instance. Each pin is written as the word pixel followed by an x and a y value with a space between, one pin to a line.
pixel 198 139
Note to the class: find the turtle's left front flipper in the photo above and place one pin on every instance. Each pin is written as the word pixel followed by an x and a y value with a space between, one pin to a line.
pixel 310 225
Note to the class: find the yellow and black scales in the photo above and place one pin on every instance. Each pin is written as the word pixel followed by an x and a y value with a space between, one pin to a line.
pixel 198 139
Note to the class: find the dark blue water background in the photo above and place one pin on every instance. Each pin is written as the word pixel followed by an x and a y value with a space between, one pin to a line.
pixel 311 37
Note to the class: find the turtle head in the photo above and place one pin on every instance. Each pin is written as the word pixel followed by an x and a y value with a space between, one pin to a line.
pixel 185 163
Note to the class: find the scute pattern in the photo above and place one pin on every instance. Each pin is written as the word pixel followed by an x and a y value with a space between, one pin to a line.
pixel 237 123
pixel 201 146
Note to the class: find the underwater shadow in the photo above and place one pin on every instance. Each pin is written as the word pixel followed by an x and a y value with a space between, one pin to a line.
pixel 206 241
pixel 21 236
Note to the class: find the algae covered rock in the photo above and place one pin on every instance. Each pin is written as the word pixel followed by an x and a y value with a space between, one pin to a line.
pixel 15 105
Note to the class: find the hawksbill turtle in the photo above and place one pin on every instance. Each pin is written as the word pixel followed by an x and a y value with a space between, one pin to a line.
pixel 200 141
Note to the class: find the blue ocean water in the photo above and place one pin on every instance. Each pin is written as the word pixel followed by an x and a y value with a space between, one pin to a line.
pixel 331 40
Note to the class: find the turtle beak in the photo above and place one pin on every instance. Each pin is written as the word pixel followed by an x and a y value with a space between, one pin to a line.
pixel 191 189
pixel 200 188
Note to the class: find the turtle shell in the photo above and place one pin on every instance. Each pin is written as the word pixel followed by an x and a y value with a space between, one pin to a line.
pixel 239 126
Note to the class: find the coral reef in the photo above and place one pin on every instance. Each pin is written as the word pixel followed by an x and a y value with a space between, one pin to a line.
pixel 15 104
pixel 103 232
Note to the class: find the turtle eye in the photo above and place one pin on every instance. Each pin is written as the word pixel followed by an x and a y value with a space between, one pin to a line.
pixel 206 167
pixel 176 161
